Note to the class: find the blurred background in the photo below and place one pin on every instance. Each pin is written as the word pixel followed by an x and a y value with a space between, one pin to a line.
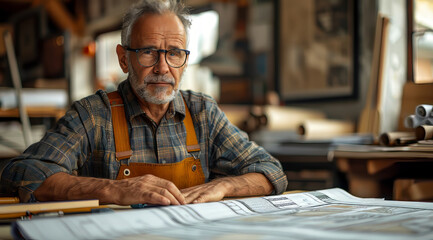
pixel 273 65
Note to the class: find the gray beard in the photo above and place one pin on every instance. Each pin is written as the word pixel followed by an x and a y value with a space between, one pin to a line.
pixel 160 95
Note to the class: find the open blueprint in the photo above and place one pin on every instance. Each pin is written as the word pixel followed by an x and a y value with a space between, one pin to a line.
pixel 325 214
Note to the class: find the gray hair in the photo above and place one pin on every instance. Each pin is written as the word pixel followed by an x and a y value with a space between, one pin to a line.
pixel 144 7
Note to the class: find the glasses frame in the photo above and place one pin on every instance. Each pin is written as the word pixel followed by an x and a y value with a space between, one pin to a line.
pixel 137 50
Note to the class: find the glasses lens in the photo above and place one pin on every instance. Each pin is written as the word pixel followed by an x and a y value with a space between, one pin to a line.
pixel 175 57
pixel 148 57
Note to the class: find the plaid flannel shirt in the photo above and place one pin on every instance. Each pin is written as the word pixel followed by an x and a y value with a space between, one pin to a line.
pixel 82 143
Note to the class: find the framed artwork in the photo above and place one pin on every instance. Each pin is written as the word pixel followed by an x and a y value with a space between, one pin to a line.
pixel 30 27
pixel 316 50
pixel 420 41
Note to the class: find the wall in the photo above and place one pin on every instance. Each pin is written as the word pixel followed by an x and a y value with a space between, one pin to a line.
pixel 395 62
pixel 351 108
pixel 81 70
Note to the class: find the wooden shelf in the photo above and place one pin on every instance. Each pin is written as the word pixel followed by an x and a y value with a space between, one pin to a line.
pixel 38 112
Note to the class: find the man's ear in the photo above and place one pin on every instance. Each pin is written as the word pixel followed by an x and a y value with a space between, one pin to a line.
pixel 121 55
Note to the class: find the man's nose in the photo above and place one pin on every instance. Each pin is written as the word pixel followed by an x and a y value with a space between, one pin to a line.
pixel 161 67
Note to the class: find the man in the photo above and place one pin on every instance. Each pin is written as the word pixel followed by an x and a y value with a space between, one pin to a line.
pixel 81 158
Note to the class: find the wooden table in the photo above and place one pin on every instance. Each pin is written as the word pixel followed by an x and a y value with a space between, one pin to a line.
pixel 399 173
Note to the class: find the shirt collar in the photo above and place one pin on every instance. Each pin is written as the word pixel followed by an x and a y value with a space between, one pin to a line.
pixel 132 104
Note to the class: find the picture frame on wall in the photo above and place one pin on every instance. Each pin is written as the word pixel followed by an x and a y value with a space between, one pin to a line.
pixel 316 50
pixel 419 41
pixel 30 27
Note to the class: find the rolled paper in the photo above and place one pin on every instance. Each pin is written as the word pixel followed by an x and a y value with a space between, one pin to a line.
pixel 425 121
pixel 288 118
pixel 424 132
pixel 405 140
pixel 325 128
pixel 396 138
pixel 423 110
pixel 412 121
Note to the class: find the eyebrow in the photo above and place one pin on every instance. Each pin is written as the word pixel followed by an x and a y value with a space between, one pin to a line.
pixel 153 47
pixel 148 47
pixel 174 47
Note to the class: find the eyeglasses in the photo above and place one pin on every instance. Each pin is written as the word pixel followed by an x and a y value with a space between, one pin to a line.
pixel 148 57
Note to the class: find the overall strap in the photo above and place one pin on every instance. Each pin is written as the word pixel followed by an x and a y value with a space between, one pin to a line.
pixel 120 127
pixel 121 134
pixel 191 138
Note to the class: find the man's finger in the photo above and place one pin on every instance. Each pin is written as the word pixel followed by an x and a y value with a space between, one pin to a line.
pixel 167 189
pixel 166 193
pixel 171 187
pixel 190 194
pixel 207 192
pixel 200 199
pixel 153 197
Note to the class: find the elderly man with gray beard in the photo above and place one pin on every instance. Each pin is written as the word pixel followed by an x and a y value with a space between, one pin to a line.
pixel 147 142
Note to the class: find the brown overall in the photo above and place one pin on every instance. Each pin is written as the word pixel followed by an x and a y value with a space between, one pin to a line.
pixel 183 174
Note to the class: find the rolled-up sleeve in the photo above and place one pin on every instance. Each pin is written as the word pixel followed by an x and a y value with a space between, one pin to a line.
pixel 63 149
pixel 234 154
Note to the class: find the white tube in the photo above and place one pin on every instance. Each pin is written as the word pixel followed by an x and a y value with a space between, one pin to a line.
pixel 423 110
pixel 412 121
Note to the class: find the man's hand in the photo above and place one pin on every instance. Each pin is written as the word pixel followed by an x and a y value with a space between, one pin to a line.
pixel 250 184
pixel 208 192
pixel 144 189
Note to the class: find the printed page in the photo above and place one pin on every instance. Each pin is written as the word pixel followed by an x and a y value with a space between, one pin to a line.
pixel 109 225
pixel 325 214
pixel 328 221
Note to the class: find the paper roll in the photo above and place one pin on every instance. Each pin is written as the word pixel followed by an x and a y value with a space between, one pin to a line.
pixel 424 132
pixel 396 138
pixel 423 110
pixel 411 121
pixel 325 129
pixel 288 118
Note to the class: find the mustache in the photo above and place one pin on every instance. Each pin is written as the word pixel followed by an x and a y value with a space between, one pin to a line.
pixel 158 79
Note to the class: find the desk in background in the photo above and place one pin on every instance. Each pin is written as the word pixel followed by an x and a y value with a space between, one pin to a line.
pixel 306 165
pixel 306 162
pixel 48 115
pixel 34 112
pixel 399 173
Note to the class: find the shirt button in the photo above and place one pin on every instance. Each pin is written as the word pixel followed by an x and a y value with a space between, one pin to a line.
pixel 163 161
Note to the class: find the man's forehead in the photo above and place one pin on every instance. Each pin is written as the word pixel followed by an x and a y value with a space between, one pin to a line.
pixel 166 25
